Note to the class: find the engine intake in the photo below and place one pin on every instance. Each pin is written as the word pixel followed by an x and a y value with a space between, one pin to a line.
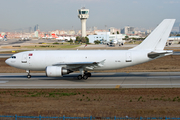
pixel 56 71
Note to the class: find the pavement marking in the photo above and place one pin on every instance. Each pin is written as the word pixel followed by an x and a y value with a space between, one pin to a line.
pixel 117 86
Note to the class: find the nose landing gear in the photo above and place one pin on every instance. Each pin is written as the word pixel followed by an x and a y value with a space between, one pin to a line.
pixel 28 76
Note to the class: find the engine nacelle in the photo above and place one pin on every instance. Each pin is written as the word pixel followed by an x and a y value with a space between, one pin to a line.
pixel 56 71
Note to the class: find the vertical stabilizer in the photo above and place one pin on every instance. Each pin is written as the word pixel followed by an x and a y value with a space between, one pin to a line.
pixel 157 39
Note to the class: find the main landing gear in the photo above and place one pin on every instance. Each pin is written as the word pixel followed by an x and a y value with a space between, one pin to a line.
pixel 28 76
pixel 84 76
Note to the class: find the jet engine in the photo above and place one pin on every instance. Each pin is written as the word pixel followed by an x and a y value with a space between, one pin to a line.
pixel 56 71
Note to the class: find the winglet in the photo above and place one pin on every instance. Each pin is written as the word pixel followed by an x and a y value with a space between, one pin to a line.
pixel 101 63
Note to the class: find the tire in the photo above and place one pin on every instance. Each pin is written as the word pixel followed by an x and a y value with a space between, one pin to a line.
pixel 85 77
pixel 79 77
pixel 28 76
pixel 89 74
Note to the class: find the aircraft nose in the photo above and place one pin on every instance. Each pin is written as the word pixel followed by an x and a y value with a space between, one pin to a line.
pixel 7 61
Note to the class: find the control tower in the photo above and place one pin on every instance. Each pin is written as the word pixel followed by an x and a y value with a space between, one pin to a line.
pixel 83 14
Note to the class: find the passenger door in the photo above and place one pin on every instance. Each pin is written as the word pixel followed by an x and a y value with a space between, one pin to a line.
pixel 24 58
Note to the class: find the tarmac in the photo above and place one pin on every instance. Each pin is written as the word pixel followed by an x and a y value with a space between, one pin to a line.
pixel 98 80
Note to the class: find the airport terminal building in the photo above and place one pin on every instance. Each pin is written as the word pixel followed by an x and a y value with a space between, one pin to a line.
pixel 174 39
pixel 105 37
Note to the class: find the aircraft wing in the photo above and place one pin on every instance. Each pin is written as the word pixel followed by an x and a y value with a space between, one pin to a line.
pixel 84 65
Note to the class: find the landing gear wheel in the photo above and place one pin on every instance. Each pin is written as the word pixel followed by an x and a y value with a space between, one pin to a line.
pixel 28 76
pixel 89 74
pixel 85 77
pixel 79 77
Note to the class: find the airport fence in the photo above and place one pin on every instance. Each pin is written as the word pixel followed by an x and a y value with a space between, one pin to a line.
pixel 5 117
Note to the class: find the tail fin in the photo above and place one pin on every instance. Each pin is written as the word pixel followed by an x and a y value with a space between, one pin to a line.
pixel 157 39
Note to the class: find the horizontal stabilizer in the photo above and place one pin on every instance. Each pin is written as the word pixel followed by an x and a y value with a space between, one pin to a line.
pixel 155 54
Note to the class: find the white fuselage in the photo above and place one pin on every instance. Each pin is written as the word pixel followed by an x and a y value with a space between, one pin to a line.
pixel 114 59
pixel 57 63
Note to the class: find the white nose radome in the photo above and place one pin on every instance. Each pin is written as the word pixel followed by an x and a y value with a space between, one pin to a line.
pixel 7 61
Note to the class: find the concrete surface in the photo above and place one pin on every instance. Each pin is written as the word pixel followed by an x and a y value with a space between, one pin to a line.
pixel 98 80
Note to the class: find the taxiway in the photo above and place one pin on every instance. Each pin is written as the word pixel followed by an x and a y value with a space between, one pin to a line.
pixel 98 80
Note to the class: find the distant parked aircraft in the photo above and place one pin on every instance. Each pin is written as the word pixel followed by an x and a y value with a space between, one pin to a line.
pixel 4 37
pixel 116 42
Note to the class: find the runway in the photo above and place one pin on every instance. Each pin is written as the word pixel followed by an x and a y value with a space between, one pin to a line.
pixel 98 80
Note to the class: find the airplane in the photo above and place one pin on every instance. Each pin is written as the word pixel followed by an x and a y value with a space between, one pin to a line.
pixel 57 63
pixel 4 37
pixel 47 37
pixel 116 42
pixel 65 38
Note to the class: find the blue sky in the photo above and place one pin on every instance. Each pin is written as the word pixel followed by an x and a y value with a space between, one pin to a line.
pixel 62 14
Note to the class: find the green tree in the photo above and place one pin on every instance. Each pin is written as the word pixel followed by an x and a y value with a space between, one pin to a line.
pixel 87 40
pixel 77 39
pixel 97 42
pixel 82 40
pixel 117 32
pixel 134 38
pixel 126 37
pixel 71 41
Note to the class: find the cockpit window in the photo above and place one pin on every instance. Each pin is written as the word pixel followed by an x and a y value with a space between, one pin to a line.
pixel 14 57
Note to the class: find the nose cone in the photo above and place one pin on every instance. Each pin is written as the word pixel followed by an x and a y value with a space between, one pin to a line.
pixel 7 61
